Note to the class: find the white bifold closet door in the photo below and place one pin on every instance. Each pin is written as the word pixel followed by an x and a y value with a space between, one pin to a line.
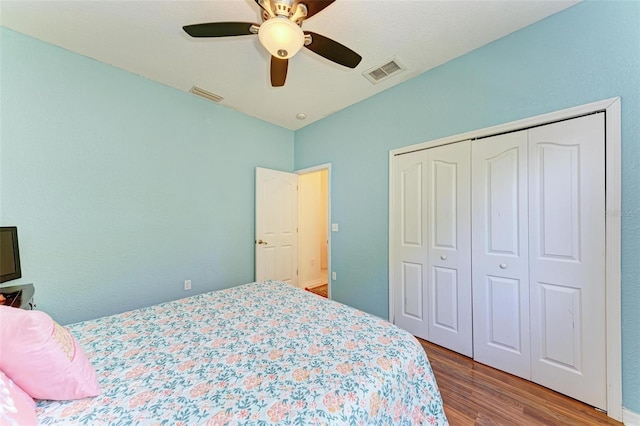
pixel 449 246
pixel 538 256
pixel 533 204
pixel 501 253
pixel 567 257
pixel 409 245
pixel 432 245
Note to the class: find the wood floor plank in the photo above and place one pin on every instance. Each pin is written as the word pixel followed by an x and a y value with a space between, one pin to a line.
pixel 458 418
pixel 476 394
pixel 320 290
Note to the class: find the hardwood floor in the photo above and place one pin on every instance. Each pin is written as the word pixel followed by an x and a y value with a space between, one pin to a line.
pixel 475 394
pixel 321 290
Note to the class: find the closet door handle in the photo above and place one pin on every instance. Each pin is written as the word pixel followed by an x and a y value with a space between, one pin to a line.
pixel 443 257
pixel 503 266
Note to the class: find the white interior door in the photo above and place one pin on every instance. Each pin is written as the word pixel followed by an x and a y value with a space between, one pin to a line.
pixel 410 292
pixel 567 257
pixel 500 256
pixel 448 230
pixel 276 226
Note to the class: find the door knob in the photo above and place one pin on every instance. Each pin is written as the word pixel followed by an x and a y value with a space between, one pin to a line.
pixel 443 257
pixel 503 266
pixel 262 242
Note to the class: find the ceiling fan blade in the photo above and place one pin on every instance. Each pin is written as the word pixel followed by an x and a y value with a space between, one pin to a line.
pixel 313 6
pixel 332 50
pixel 278 71
pixel 219 29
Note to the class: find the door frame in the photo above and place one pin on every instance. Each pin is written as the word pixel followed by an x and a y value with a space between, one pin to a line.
pixel 313 169
pixel 613 200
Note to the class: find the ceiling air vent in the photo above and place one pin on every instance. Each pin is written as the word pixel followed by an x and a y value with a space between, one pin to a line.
pixel 376 75
pixel 205 94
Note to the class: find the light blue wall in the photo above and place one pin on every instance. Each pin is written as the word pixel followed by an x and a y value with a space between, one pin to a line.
pixel 587 53
pixel 122 188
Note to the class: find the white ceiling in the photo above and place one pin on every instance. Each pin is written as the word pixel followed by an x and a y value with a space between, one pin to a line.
pixel 146 38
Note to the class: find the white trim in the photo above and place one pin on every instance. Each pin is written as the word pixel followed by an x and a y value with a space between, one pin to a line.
pixel 319 167
pixel 613 234
pixel 525 123
pixel 612 223
pixel 315 283
pixel 327 167
pixel 392 311
pixel 629 418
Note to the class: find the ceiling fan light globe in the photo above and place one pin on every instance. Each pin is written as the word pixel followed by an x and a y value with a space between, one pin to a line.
pixel 281 37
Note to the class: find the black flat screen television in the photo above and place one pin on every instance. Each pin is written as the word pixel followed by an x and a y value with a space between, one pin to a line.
pixel 9 254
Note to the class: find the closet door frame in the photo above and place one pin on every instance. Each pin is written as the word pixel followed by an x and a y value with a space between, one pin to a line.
pixel 611 108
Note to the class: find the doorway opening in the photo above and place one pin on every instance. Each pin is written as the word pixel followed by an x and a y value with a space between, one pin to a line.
pixel 313 229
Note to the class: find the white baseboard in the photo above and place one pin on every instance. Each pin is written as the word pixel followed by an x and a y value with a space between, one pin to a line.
pixel 314 283
pixel 629 418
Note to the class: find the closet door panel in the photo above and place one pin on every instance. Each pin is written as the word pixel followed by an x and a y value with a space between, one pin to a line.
pixel 448 229
pixel 500 253
pixel 444 186
pixel 412 291
pixel 567 257
pixel 410 248
pixel 504 312
pixel 445 294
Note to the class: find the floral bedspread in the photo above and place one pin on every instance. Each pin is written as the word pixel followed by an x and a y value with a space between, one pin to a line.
pixel 257 354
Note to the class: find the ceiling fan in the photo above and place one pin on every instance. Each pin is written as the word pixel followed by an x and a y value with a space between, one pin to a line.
pixel 281 34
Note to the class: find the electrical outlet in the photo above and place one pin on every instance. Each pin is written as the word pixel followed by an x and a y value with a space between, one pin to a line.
pixel 333 276
pixel 187 285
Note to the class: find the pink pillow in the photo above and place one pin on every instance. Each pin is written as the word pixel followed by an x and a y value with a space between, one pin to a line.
pixel 43 358
pixel 16 407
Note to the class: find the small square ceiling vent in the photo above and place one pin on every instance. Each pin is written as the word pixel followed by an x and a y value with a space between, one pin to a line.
pixel 378 74
pixel 205 94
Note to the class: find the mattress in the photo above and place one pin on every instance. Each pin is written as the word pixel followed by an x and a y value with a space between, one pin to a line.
pixel 259 353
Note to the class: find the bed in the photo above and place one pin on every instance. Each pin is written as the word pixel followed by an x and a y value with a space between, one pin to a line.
pixel 259 353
